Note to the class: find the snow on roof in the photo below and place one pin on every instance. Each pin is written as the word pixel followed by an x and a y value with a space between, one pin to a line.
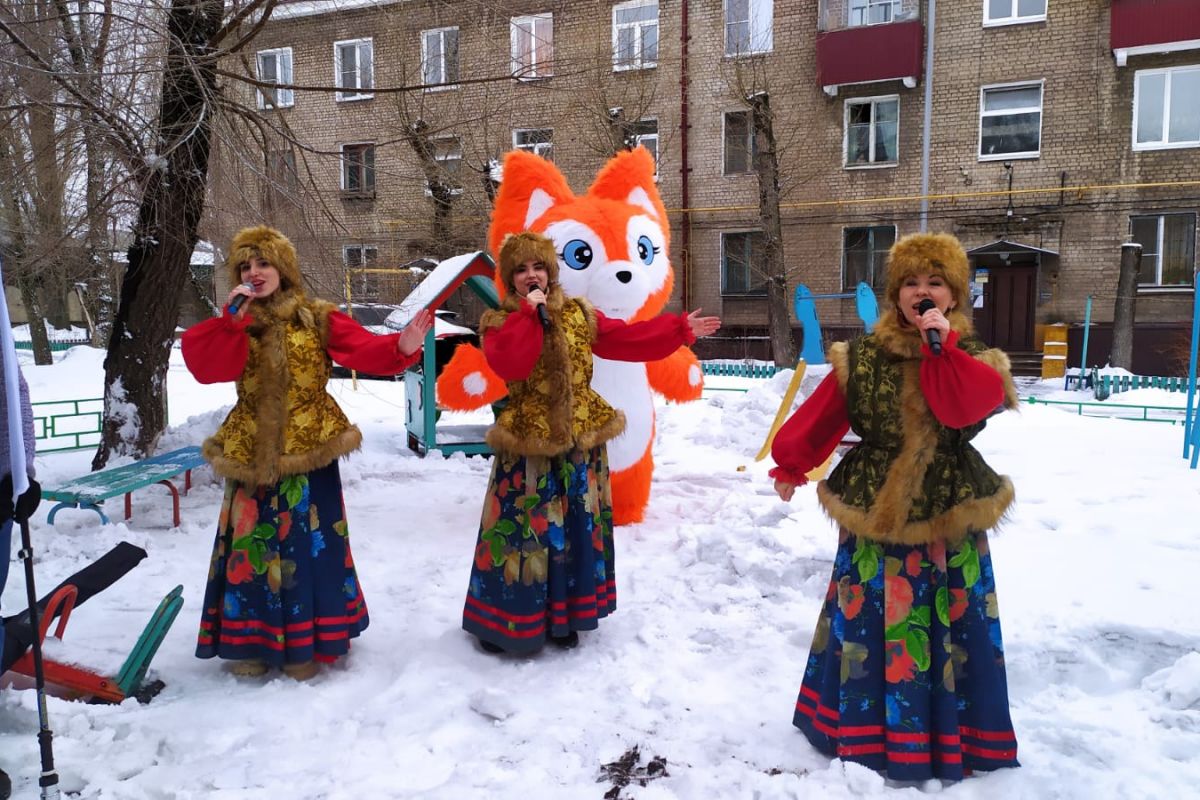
pixel 289 9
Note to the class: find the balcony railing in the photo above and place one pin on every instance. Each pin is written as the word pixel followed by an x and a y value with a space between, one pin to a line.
pixel 837 15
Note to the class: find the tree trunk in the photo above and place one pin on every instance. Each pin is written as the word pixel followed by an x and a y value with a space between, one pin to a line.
pixel 1125 306
pixel 135 370
pixel 42 355
pixel 766 166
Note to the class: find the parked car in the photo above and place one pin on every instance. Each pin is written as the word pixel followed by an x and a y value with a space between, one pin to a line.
pixel 388 318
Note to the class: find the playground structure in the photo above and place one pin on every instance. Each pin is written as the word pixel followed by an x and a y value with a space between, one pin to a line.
pixel 1191 428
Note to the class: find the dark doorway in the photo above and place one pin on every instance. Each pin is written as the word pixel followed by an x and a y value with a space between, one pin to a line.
pixel 1006 317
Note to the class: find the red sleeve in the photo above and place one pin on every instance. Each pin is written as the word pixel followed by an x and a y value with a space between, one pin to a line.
pixel 355 347
pixel 959 388
pixel 648 340
pixel 811 434
pixel 513 348
pixel 216 349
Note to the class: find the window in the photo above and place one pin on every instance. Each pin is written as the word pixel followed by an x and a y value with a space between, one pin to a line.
pixel 532 46
pixel 644 132
pixel 742 264
pixel 354 69
pixel 536 141
pixel 439 56
pixel 635 34
pixel 275 66
pixel 1007 12
pixel 1010 121
pixel 359 258
pixel 358 170
pixel 1168 249
pixel 1166 108
pixel 447 151
pixel 282 180
pixel 873 12
pixel 739 142
pixel 864 256
pixel 872 131
pixel 747 26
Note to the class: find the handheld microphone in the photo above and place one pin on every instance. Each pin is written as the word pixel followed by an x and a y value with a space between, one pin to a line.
pixel 241 298
pixel 543 314
pixel 933 336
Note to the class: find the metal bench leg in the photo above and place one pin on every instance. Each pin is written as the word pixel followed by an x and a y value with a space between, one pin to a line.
pixel 84 506
pixel 187 481
pixel 174 499
pixel 128 506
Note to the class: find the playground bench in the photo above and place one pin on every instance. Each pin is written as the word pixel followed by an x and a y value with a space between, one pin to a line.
pixel 94 488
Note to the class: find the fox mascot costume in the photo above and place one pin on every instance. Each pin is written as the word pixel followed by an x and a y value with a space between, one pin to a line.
pixel 612 251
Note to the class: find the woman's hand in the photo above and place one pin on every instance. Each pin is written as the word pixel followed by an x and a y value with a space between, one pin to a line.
pixel 785 490
pixel 536 297
pixel 241 290
pixel 934 319
pixel 413 336
pixel 702 326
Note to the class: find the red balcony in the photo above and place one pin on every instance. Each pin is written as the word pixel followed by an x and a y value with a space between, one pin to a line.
pixel 1140 27
pixel 870 53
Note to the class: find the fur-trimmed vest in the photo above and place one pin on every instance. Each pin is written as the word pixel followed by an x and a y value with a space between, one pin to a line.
pixel 284 422
pixel 555 409
pixel 912 480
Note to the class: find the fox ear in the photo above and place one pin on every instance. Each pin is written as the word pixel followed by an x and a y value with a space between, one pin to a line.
pixel 531 186
pixel 629 178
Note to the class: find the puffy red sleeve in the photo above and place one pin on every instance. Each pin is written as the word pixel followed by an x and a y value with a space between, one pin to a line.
pixel 811 434
pixel 512 349
pixel 216 349
pixel 357 348
pixel 648 340
pixel 959 388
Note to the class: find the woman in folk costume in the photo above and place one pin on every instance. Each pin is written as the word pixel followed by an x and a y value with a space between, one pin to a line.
pixel 906 672
pixel 543 564
pixel 282 589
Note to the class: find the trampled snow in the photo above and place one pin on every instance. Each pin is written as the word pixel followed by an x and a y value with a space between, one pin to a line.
pixel 718 594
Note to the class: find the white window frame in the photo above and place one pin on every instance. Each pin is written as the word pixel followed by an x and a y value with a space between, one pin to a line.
pixel 284 98
pixel 638 35
pixel 749 144
pixel 895 9
pixel 442 157
pixel 370 288
pixel 543 149
pixel 638 138
pixel 761 12
pixel 871 163
pixel 537 68
pixel 1158 285
pixel 1165 143
pixel 363 84
pixel 1013 18
pixel 444 85
pixel 874 251
pixel 749 267
pixel 983 90
pixel 362 191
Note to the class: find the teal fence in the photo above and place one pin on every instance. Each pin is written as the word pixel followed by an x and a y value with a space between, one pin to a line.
pixel 1105 385
pixel 67 424
pixel 739 369
pixel 1173 415
pixel 55 346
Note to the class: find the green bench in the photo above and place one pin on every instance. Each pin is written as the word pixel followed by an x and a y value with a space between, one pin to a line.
pixel 90 490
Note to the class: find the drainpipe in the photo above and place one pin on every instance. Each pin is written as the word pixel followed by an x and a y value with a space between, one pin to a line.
pixel 927 122
pixel 685 225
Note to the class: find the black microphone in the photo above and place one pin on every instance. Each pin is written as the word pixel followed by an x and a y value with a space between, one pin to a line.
pixel 236 303
pixel 543 314
pixel 933 335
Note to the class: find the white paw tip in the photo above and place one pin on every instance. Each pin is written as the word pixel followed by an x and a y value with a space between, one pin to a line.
pixel 475 384
pixel 695 375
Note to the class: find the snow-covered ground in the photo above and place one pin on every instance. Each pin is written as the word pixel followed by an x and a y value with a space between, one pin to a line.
pixel 718 593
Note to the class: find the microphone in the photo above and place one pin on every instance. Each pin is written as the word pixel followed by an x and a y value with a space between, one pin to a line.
pixel 933 336
pixel 543 314
pixel 241 298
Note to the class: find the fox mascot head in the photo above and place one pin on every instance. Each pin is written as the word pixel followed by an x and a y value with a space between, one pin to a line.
pixel 612 247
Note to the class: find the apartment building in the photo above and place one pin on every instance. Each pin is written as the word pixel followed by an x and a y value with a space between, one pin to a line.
pixel 1056 130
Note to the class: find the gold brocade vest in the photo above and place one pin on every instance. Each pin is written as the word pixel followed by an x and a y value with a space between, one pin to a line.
pixel 555 409
pixel 284 422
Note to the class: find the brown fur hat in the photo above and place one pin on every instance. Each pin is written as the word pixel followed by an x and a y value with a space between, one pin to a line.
pixel 517 248
pixel 267 243
pixel 929 252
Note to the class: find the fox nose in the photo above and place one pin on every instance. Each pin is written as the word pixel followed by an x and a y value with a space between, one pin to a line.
pixel 624 276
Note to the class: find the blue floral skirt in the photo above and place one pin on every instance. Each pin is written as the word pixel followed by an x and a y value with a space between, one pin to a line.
pixel 544 557
pixel 906 672
pixel 281 584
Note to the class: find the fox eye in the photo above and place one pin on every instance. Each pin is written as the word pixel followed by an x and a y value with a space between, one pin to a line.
pixel 646 250
pixel 577 254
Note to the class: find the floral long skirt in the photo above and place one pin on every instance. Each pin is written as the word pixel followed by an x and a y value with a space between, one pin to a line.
pixel 544 556
pixel 281 584
pixel 906 672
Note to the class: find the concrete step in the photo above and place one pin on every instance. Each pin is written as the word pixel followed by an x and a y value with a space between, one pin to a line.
pixel 1026 364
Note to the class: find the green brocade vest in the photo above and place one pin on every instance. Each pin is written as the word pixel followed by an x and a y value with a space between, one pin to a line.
pixel 911 480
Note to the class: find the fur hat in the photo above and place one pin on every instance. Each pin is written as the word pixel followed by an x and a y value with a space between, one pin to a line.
pixel 266 243
pixel 920 253
pixel 517 248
